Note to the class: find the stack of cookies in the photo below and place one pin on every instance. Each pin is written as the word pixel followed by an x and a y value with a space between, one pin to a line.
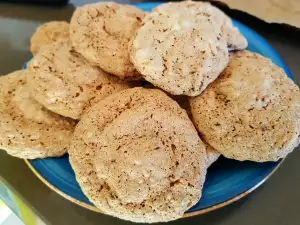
pixel 145 103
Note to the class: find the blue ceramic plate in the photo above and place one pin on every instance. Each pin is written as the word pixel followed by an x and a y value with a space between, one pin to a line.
pixel 227 180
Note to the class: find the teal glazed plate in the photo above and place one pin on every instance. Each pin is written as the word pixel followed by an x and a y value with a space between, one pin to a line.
pixel 227 180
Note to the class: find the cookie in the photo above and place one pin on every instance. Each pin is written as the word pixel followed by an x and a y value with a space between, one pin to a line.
pixel 137 156
pixel 28 130
pixel 65 83
pixel 101 32
pixel 251 112
pixel 183 102
pixel 182 47
pixel 235 40
pixel 48 33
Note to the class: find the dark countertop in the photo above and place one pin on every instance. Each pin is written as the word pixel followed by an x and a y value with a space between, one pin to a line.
pixel 277 202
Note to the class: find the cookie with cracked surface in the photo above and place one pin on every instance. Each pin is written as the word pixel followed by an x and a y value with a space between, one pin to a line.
pixel 65 82
pixel 27 129
pixel 101 32
pixel 235 40
pixel 180 47
pixel 212 154
pixel 48 33
pixel 137 156
pixel 251 112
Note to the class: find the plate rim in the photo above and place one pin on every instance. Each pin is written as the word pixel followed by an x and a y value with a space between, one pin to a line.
pixel 188 214
pixel 201 211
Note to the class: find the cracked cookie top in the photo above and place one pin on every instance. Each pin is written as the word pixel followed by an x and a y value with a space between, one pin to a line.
pixel 66 83
pixel 29 130
pixel 137 156
pixel 251 112
pixel 48 33
pixel 183 47
pixel 101 32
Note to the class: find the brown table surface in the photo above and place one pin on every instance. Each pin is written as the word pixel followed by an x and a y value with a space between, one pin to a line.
pixel 277 202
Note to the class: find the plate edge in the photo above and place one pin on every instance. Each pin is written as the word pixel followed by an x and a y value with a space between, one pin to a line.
pixel 189 214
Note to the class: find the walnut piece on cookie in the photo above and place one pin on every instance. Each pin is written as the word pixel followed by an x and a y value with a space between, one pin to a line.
pixel 101 32
pixel 251 112
pixel 65 82
pixel 28 130
pixel 48 33
pixel 137 156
